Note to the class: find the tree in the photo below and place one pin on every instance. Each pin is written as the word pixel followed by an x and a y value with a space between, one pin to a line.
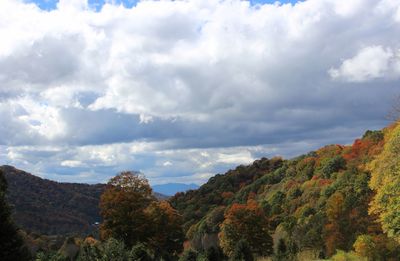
pixel 281 250
pixel 51 256
pixel 242 252
pixel 385 180
pixel 70 249
pixel 365 247
pixel 166 229
pixel 140 253
pixel 331 165
pixel 246 222
pixel 214 254
pixel 123 205
pixel 11 244
pixel 114 250
pixel 334 236
pixel 346 256
pixel 189 255
pixel 89 252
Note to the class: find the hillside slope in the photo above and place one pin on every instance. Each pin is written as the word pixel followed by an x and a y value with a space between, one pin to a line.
pixel 49 207
pixel 317 202
pixel 52 208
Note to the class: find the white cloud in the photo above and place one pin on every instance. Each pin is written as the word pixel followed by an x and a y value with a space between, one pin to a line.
pixel 243 157
pixel 72 5
pixel 167 163
pixel 348 8
pixel 202 84
pixel 370 63
pixel 39 118
pixel 61 96
pixel 71 163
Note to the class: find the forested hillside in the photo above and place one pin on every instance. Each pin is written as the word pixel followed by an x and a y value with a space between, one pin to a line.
pixel 314 204
pixel 52 208
pixel 49 207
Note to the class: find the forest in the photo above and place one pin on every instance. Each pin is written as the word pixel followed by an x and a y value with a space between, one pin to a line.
pixel 336 203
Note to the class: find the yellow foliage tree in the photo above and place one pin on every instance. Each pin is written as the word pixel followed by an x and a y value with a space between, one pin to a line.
pixel 385 181
pixel 365 247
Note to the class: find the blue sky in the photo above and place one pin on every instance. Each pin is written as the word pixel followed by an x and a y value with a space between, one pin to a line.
pixel 52 4
pixel 182 90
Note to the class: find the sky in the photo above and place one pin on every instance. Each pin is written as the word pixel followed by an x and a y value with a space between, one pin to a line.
pixel 98 4
pixel 183 90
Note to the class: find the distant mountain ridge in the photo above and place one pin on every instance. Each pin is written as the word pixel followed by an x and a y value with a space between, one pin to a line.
pixel 49 207
pixel 170 189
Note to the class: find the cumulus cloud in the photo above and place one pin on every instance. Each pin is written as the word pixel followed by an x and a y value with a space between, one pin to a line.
pixel 370 63
pixel 184 89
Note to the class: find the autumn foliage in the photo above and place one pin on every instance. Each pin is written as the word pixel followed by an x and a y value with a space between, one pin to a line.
pixel 246 222
pixel 385 181
pixel 123 206
pixel 132 215
pixel 318 201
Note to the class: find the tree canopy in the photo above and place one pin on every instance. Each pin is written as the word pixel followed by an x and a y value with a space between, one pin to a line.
pixel 133 215
pixel 385 181
pixel 123 205
pixel 12 246
pixel 246 223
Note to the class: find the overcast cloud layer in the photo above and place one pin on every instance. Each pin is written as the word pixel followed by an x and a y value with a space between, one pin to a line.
pixel 181 90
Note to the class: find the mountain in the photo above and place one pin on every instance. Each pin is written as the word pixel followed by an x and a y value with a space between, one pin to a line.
pixel 48 207
pixel 315 203
pixel 171 189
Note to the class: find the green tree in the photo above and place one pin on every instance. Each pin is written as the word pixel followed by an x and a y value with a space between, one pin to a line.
pixel 140 252
pixel 189 255
pixel 50 256
pixel 11 244
pixel 332 165
pixel 242 252
pixel 89 252
pixel 114 250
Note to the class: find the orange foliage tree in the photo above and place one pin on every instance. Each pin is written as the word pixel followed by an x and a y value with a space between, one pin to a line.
pixel 246 222
pixel 123 205
pixel 166 229
pixel 334 237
